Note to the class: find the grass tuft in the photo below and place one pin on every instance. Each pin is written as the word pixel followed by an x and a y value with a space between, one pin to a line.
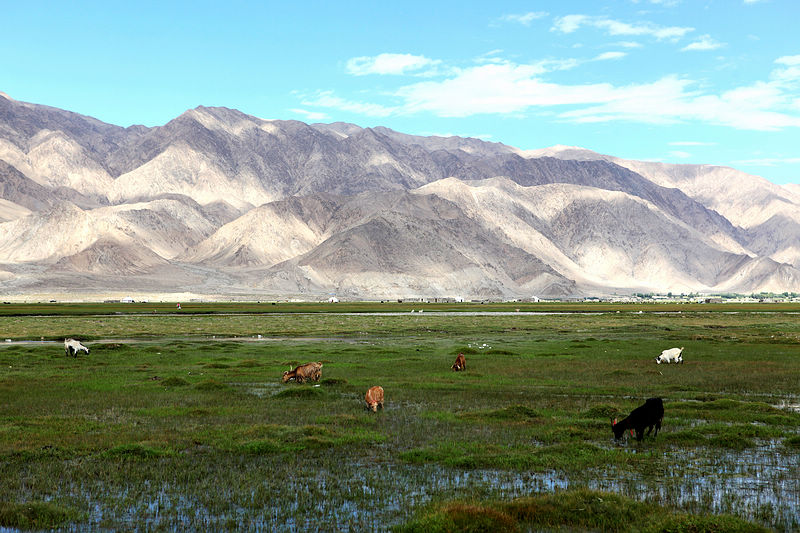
pixel 463 518
pixel 603 411
pixel 174 381
pixel 137 451
pixel 572 510
pixel 304 392
pixel 686 523
pixel 35 515
pixel 333 382
pixel 211 384
pixel 792 442
pixel 518 413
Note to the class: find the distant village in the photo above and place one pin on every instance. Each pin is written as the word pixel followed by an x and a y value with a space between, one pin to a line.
pixel 701 298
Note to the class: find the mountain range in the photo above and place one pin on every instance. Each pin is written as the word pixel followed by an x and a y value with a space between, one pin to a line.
pixel 218 203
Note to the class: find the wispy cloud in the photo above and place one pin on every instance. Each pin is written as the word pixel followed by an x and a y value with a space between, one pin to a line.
pixel 526 18
pixel 704 42
pixel 764 106
pixel 610 55
pixel 327 99
pixel 627 44
pixel 677 154
pixel 788 60
pixel 503 87
pixel 769 161
pixel 668 3
pixel 389 64
pixel 310 115
pixel 572 23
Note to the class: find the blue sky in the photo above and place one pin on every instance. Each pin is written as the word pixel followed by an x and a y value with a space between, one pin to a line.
pixel 679 81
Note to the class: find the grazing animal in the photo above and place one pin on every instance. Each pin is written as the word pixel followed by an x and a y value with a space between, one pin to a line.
pixel 460 364
pixel 647 416
pixel 673 355
pixel 72 347
pixel 308 371
pixel 374 398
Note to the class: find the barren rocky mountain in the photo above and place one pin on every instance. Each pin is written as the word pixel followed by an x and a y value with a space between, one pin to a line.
pixel 216 202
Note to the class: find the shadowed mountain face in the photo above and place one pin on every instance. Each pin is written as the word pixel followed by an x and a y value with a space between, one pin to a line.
pixel 219 202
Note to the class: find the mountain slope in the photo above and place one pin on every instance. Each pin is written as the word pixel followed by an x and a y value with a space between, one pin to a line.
pixel 217 201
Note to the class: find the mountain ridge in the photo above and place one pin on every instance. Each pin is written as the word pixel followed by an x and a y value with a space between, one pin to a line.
pixel 220 202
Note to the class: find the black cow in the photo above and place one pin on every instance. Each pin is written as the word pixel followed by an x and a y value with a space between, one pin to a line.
pixel 645 416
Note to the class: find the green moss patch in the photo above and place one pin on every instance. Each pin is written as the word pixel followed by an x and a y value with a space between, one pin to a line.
pixel 35 515
pixel 573 510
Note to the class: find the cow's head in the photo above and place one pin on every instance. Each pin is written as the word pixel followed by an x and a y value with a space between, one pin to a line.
pixel 617 429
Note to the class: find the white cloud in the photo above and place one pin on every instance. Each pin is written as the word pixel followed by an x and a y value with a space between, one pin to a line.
pixel 692 143
pixel 494 88
pixel 610 55
pixel 788 76
pixel 788 60
pixel 388 64
pixel 311 115
pixel 328 100
pixel 705 42
pixel 506 88
pixel 627 44
pixel 761 106
pixel 571 23
pixel 492 56
pixel 770 161
pixel 526 18
pixel 677 154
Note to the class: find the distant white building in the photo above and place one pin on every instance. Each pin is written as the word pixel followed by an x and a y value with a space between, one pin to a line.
pixel 127 300
pixel 333 300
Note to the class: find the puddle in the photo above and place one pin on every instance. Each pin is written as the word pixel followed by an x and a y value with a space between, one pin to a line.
pixel 272 493
pixel 262 389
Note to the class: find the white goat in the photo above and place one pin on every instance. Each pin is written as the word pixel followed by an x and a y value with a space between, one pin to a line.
pixel 673 355
pixel 72 347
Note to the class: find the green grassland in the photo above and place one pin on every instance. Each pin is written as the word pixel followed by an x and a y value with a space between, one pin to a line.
pixel 179 420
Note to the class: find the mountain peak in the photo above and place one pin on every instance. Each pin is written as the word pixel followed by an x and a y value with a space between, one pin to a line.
pixel 561 151
pixel 325 207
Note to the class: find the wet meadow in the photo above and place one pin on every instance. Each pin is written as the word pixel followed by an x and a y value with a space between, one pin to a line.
pixel 178 419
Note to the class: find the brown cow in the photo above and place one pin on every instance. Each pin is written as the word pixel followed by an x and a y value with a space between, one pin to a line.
pixel 308 371
pixel 374 398
pixel 460 364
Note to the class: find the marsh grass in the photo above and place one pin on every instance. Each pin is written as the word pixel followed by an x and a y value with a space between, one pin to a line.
pixel 576 510
pixel 35 515
pixel 162 416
